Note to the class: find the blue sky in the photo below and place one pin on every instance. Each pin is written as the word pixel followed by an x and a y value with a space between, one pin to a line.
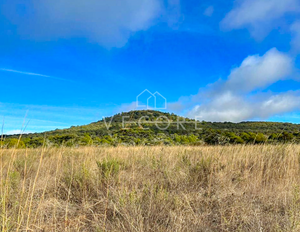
pixel 72 62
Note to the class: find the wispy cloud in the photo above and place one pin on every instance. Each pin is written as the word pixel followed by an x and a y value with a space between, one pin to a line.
pixel 259 16
pixel 33 74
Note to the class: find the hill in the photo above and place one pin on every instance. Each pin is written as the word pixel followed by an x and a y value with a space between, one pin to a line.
pixel 148 127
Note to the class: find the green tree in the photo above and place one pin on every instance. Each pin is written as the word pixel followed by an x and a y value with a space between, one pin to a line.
pixel 15 143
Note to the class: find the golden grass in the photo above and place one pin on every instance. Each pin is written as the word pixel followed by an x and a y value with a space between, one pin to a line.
pixel 232 188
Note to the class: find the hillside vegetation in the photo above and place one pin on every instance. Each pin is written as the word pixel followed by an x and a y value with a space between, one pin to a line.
pixel 206 188
pixel 158 128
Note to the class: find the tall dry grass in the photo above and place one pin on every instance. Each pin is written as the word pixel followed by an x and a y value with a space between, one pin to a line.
pixel 234 188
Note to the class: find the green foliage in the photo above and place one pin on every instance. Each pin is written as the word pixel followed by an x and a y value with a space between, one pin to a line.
pixel 15 143
pixel 145 132
pixel 109 168
pixel 86 140
pixel 260 138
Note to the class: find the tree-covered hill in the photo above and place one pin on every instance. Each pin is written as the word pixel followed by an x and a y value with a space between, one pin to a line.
pixel 149 127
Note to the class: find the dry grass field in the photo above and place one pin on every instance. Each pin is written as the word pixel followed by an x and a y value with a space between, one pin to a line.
pixel 229 188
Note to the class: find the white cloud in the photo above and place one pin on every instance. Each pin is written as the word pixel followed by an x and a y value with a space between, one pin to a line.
pixel 260 71
pixel 280 103
pixel 109 23
pixel 238 98
pixel 236 108
pixel 224 107
pixel 259 16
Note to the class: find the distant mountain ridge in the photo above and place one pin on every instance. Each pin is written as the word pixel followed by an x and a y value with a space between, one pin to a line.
pixel 149 127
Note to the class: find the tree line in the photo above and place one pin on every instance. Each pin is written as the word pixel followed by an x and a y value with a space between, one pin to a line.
pixel 147 133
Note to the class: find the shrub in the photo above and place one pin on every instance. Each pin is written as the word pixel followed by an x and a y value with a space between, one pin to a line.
pixel 109 168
